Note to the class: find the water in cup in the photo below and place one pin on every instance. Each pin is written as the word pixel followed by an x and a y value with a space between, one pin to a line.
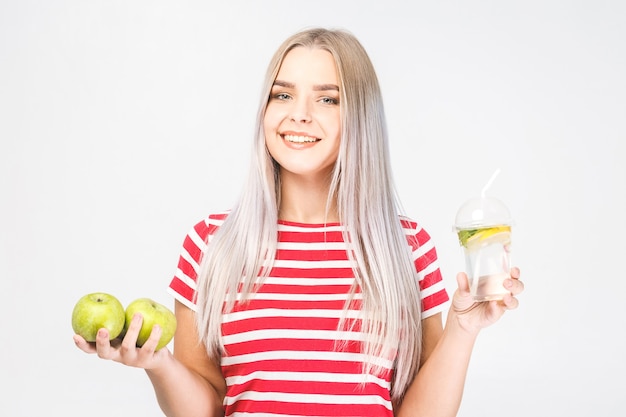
pixel 483 226
pixel 487 259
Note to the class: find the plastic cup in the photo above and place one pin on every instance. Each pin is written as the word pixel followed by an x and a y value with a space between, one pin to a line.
pixel 483 226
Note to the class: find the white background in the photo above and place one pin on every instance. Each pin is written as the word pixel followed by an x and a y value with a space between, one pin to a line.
pixel 122 123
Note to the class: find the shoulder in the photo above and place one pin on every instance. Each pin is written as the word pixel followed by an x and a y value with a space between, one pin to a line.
pixel 416 234
pixel 201 232
pixel 209 224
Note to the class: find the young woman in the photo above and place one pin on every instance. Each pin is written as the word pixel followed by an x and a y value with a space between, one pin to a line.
pixel 313 295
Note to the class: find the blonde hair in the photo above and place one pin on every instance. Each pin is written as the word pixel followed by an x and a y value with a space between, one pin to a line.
pixel 385 274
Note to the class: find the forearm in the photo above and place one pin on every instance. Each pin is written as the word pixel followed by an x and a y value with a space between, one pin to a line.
pixel 438 387
pixel 182 392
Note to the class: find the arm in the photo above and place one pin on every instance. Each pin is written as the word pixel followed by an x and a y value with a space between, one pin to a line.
pixel 438 387
pixel 190 383
pixel 186 383
pixel 432 329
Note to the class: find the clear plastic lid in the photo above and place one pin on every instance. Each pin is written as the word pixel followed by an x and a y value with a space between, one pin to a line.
pixel 482 211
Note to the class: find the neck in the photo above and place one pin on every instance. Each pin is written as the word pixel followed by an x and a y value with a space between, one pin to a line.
pixel 306 201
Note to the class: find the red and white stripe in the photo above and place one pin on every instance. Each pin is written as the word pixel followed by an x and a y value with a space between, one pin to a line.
pixel 284 353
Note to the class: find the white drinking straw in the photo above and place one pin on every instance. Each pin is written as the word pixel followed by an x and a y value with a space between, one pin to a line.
pixel 486 187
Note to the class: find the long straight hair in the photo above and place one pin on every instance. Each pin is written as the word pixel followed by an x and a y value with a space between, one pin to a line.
pixel 368 206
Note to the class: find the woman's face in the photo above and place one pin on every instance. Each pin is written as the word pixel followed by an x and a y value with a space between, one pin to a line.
pixel 302 121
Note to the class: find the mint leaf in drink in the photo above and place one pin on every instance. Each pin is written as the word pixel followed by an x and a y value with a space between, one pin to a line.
pixel 464 235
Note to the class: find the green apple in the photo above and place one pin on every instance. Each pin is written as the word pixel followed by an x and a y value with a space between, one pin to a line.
pixel 152 313
pixel 95 311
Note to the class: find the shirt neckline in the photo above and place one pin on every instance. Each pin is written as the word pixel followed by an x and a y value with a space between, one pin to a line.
pixel 308 225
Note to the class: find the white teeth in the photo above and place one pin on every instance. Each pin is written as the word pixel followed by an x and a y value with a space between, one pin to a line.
pixel 300 139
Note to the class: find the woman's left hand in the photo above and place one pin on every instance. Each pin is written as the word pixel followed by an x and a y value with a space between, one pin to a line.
pixel 474 316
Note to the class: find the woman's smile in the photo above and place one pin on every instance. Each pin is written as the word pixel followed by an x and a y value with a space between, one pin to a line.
pixel 300 138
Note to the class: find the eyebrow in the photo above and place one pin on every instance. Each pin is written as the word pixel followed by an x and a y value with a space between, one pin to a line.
pixel 317 87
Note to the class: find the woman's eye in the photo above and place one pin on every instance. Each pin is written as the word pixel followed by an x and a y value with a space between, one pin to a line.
pixel 329 100
pixel 280 96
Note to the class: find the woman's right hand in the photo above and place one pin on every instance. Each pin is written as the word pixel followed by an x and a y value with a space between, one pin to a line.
pixel 187 383
pixel 125 351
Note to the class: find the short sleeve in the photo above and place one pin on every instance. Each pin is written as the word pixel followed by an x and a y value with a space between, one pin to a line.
pixel 432 289
pixel 184 283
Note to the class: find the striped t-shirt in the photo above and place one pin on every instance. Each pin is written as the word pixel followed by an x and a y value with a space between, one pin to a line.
pixel 282 354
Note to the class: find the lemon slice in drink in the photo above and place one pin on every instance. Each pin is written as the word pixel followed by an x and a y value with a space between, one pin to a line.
pixel 471 237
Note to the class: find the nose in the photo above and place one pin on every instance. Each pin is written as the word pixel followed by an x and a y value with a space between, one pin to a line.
pixel 300 111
